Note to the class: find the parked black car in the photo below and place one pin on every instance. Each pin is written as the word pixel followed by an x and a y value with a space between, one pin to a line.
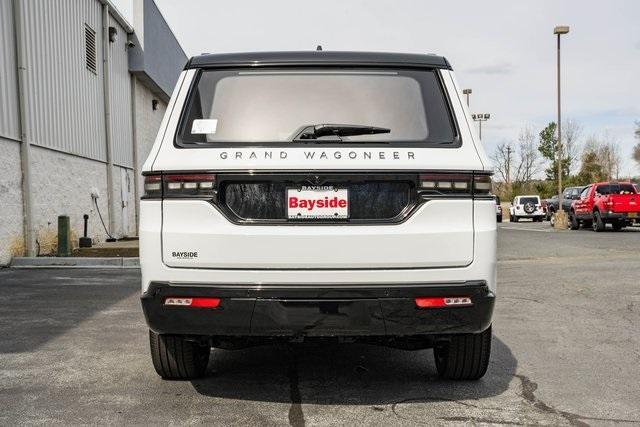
pixel 568 196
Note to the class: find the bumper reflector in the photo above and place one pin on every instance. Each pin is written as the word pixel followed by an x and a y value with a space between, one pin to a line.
pixel 438 302
pixel 192 302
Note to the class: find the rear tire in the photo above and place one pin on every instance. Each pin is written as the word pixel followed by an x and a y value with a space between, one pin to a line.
pixel 574 221
pixel 465 357
pixel 515 218
pixel 598 224
pixel 175 358
pixel 618 225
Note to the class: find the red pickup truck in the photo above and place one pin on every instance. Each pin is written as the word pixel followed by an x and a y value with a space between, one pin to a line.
pixel 615 203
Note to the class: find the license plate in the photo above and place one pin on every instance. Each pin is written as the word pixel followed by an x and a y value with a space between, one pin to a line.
pixel 317 202
pixel 633 215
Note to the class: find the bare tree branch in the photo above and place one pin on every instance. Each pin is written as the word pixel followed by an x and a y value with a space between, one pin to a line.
pixel 529 159
pixel 571 133
pixel 501 161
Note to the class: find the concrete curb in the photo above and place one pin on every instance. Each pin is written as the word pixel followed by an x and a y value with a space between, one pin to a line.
pixel 74 262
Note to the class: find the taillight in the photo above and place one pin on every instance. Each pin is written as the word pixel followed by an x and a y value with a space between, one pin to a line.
pixel 180 186
pixel 441 302
pixel 445 183
pixel 197 302
pixel 189 185
pixel 153 186
pixel 481 185
pixel 454 184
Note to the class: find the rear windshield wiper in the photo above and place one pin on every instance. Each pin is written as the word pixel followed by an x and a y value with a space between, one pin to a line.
pixel 314 132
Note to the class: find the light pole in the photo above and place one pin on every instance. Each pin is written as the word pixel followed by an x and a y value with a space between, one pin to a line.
pixel 481 117
pixel 467 92
pixel 560 214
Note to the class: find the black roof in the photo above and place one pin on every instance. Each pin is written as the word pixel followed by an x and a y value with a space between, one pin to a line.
pixel 313 57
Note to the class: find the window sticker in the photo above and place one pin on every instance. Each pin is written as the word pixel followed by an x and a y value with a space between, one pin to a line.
pixel 204 126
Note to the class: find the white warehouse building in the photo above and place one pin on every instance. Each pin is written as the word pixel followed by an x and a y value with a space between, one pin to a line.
pixel 82 94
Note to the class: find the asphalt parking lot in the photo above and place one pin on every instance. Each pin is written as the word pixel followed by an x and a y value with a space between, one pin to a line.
pixel 566 351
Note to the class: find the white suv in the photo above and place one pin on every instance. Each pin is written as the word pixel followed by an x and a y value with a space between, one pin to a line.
pixel 302 195
pixel 526 207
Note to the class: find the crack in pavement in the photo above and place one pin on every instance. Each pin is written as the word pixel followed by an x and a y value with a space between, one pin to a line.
pixel 480 420
pixel 296 417
pixel 528 394
pixel 452 418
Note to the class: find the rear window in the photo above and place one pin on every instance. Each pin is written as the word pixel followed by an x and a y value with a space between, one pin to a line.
pixel 273 106
pixel 525 200
pixel 615 189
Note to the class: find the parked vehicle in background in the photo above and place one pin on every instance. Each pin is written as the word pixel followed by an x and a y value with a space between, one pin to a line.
pixel 637 221
pixel 526 207
pixel 568 196
pixel 605 203
pixel 498 209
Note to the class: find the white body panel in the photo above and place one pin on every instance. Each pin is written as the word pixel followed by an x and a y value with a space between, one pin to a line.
pixel 440 233
pixel 483 266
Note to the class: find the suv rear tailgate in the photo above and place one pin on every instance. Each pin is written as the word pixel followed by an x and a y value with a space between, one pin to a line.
pixel 196 234
pixel 624 203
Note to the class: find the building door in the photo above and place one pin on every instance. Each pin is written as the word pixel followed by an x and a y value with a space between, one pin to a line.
pixel 125 196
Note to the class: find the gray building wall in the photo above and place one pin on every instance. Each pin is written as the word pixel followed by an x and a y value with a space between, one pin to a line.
pixel 9 112
pixel 157 58
pixel 11 227
pixel 64 100
pixel 120 98
pixel 64 108
pixel 147 125
pixel 62 185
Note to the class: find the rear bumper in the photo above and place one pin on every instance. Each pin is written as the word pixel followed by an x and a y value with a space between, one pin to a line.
pixel 611 216
pixel 271 311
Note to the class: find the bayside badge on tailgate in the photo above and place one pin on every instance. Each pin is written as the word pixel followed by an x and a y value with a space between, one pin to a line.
pixel 317 202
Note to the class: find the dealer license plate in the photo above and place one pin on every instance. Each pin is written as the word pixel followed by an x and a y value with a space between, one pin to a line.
pixel 317 202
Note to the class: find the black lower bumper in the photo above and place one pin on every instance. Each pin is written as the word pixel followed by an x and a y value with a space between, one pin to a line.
pixel 615 216
pixel 299 311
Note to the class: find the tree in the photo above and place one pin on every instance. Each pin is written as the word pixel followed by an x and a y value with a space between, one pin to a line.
pixel 601 159
pixel 610 156
pixel 517 164
pixel 548 147
pixel 571 133
pixel 591 169
pixel 528 157
pixel 502 158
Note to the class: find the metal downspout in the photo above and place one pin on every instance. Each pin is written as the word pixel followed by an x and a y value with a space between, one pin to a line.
pixel 134 143
pixel 107 117
pixel 25 145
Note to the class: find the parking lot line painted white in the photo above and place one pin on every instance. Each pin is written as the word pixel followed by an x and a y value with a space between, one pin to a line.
pixel 525 229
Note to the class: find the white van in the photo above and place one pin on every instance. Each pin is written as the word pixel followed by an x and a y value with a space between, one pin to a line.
pixel 297 195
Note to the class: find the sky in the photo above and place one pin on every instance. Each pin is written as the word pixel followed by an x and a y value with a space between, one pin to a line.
pixel 504 50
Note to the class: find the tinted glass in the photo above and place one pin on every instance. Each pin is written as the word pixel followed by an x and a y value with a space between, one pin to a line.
pixel 273 106
pixel 616 189
pixel 525 200
pixel 584 193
